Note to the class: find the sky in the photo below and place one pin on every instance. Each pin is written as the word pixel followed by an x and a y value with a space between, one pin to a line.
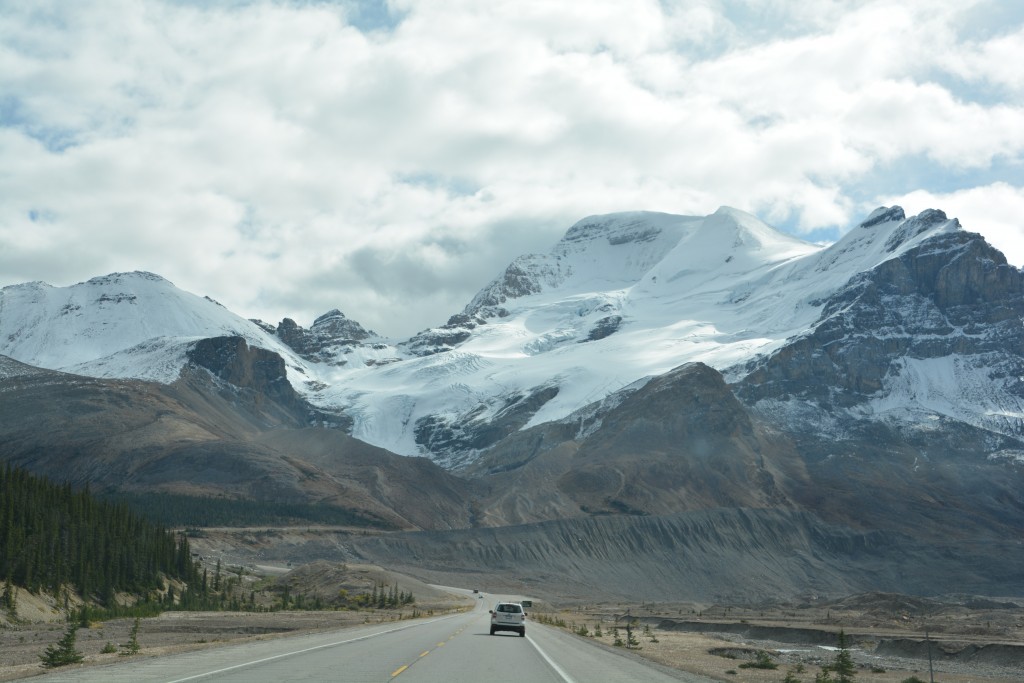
pixel 389 158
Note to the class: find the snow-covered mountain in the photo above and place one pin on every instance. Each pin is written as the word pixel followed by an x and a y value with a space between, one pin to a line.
pixel 125 325
pixel 620 299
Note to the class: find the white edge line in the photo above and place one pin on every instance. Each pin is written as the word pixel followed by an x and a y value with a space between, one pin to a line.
pixel 308 649
pixel 558 670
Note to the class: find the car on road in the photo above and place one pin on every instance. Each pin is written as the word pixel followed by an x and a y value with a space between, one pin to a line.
pixel 508 616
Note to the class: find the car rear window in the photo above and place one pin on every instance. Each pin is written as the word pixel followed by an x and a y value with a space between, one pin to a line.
pixel 508 607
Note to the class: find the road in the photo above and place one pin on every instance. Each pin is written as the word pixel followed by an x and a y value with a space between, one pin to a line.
pixel 449 649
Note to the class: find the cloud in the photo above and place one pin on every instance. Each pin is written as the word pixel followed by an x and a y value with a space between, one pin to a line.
pixel 389 159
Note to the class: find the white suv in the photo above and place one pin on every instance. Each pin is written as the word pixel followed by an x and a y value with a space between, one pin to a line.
pixel 508 616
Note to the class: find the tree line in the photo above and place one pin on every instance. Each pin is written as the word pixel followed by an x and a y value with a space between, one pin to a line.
pixel 193 511
pixel 53 536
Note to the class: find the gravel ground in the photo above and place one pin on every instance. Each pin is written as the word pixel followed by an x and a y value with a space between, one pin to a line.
pixel 719 654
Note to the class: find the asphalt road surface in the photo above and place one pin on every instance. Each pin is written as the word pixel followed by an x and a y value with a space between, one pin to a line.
pixel 450 649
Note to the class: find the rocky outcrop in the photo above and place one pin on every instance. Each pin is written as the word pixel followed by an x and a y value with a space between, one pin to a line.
pixel 461 437
pixel 458 329
pixel 326 341
pixel 253 376
pixel 524 276
pixel 605 327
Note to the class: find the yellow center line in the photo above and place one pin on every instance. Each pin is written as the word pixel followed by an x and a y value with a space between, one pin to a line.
pixel 422 654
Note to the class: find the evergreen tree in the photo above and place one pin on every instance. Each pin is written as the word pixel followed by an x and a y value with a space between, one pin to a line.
pixel 132 648
pixel 64 652
pixel 617 641
pixel 10 599
pixel 52 536
pixel 631 639
pixel 843 667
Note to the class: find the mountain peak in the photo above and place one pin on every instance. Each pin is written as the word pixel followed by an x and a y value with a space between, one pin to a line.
pixel 332 314
pixel 617 228
pixel 883 214
pixel 130 324
pixel 140 275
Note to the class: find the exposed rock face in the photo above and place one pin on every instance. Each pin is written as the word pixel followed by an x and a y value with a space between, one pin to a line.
pixel 524 276
pixel 605 327
pixel 325 341
pixel 458 329
pixel 952 296
pixel 255 374
pixel 465 435
pixel 257 379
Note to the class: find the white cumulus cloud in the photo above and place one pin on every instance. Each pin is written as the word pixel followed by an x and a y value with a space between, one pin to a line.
pixel 389 159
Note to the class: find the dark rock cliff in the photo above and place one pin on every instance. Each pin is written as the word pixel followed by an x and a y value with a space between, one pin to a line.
pixel 252 376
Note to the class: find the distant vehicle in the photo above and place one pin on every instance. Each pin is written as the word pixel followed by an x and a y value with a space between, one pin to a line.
pixel 476 590
pixel 527 603
pixel 508 616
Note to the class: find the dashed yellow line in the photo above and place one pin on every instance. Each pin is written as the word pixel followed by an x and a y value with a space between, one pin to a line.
pixel 402 668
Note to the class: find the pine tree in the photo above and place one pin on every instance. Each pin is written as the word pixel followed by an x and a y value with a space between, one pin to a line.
pixel 631 639
pixel 843 667
pixel 132 648
pixel 10 598
pixel 617 642
pixel 64 652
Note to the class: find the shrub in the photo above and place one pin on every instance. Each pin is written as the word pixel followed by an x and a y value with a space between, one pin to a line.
pixel 763 661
